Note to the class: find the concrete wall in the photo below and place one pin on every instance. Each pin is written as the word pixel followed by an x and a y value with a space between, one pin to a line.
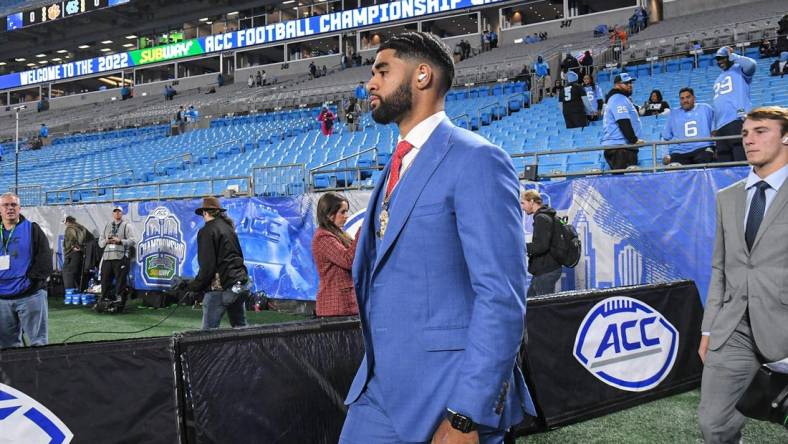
pixel 584 23
pixel 677 8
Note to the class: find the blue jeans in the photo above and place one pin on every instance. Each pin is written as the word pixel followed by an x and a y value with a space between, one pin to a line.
pixel 215 303
pixel 27 315
pixel 544 283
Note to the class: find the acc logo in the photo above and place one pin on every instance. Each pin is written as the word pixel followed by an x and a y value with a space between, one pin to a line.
pixel 23 419
pixel 626 344
pixel 162 248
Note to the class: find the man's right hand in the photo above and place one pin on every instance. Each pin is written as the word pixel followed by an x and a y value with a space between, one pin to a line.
pixel 704 347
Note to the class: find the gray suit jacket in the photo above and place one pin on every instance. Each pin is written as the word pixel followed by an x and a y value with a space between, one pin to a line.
pixel 757 279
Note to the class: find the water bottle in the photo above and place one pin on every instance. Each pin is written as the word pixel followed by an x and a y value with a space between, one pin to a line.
pixel 69 299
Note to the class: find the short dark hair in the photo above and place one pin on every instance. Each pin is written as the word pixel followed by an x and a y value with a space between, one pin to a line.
pixel 70 219
pixel 687 89
pixel 426 47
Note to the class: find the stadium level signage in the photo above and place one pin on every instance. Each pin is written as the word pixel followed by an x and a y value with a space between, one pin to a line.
pixel 162 250
pixel 23 419
pixel 273 33
pixel 626 344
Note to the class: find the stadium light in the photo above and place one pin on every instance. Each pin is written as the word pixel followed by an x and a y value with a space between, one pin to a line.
pixel 204 19
pixel 83 46
pixel 2 63
pixel 288 2
pixel 56 59
pixel 128 45
pixel 105 49
pixel 232 13
pixel 106 42
pixel 41 55
pixel 20 59
pixel 131 36
pixel 61 51
pixel 31 64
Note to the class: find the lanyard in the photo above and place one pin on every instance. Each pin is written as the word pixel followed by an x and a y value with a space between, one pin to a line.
pixel 4 241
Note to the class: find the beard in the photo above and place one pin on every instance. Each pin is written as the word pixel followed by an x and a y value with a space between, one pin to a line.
pixel 394 107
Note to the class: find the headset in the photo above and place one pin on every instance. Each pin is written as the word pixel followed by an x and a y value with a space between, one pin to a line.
pixel 785 139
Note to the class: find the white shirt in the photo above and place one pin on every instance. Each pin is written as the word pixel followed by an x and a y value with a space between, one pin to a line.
pixel 775 181
pixel 418 137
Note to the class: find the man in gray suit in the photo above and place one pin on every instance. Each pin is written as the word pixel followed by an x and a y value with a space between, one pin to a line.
pixel 746 319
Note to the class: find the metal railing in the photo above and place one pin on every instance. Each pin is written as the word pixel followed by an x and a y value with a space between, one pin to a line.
pixel 215 148
pixel 466 124
pixel 279 180
pixel 343 177
pixel 29 195
pixel 97 179
pixel 653 145
pixel 155 190
pixel 184 156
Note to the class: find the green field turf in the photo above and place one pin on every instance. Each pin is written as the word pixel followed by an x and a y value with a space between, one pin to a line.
pixel 669 420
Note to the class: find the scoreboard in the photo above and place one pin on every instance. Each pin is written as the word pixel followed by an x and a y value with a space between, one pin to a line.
pixel 56 11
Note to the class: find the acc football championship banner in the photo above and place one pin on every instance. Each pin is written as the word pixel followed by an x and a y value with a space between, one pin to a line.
pixel 640 228
pixel 275 234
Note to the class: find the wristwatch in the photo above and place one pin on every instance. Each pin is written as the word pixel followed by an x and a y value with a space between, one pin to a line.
pixel 460 422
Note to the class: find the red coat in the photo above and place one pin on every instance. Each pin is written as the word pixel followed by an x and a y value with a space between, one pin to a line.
pixel 323 118
pixel 335 294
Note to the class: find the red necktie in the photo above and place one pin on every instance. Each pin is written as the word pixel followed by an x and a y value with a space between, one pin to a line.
pixel 403 148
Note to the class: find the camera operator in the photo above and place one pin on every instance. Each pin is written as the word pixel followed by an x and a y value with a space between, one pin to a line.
pixel 222 275
pixel 117 240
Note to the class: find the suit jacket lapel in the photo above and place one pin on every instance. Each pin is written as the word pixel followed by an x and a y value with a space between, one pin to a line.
pixel 412 184
pixel 739 207
pixel 771 214
pixel 365 250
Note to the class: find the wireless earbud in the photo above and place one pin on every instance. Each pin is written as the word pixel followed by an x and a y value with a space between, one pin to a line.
pixel 422 76
pixel 785 139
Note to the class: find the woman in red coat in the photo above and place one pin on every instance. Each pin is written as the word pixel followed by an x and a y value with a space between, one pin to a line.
pixel 333 251
pixel 327 118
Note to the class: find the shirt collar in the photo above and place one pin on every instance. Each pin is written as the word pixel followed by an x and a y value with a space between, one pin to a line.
pixel 775 180
pixel 420 133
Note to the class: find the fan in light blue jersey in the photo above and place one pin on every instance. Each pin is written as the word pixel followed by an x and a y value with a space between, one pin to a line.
pixel 732 87
pixel 691 121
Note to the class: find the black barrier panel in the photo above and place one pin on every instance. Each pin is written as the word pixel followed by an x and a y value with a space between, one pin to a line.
pixel 566 390
pixel 104 392
pixel 271 384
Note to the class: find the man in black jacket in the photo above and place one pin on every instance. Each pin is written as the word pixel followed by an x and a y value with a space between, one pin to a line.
pixel 222 275
pixel 546 271
pixel 25 264
pixel 573 102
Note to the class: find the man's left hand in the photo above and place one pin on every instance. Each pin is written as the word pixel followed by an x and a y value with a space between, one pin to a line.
pixel 446 434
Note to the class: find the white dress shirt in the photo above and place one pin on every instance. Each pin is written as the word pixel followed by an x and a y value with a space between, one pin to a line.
pixel 775 181
pixel 417 137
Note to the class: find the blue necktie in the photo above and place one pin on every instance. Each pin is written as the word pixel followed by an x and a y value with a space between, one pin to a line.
pixel 755 216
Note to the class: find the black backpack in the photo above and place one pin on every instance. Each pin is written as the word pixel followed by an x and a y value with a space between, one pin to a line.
pixel 565 246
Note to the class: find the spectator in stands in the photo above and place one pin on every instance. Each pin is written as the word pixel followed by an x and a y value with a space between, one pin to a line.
pixel 731 101
pixel 180 119
pixel 570 63
pixel 74 239
pixel 25 265
pixel 655 105
pixel 587 63
pixel 745 315
pixel 324 71
pixel 312 70
pixel 333 251
pixel 265 78
pixel 458 52
pixel 544 269
pixel 117 239
pixel 251 81
pixel 353 115
pixel 596 100
pixel 525 76
pixel 326 118
pixel 192 116
pixel 486 40
pixel 362 95
pixel 780 66
pixel 466 49
pixel 43 132
pixel 573 102
pixel 621 124
pixel 434 253
pixel 782 34
pixel 343 61
pixel 222 274
pixel 258 79
pixel 688 122
pixel 766 50
pixel 220 80
pixel 493 39
pixel 543 80
pixel 42 105
pixel 125 92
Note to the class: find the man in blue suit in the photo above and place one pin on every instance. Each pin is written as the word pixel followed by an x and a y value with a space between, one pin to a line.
pixel 439 270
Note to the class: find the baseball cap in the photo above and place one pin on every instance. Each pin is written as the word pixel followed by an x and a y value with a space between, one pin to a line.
pixel 117 209
pixel 723 52
pixel 624 77
pixel 571 77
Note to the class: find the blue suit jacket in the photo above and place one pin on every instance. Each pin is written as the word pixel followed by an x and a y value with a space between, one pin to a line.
pixel 442 303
